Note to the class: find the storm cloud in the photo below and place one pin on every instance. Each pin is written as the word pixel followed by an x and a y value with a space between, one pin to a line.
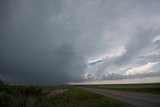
pixel 54 41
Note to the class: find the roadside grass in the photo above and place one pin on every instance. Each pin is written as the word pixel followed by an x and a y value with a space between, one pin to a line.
pixel 65 96
pixel 85 98
pixel 32 96
pixel 139 88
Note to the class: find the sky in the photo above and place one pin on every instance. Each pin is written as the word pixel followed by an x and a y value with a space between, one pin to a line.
pixel 77 41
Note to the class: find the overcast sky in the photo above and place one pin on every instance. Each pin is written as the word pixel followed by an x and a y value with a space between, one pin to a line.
pixel 63 41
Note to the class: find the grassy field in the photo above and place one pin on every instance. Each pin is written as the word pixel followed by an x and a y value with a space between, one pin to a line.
pixel 85 98
pixel 152 88
pixel 64 96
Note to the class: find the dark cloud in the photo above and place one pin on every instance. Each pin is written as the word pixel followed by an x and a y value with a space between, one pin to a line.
pixel 34 50
pixel 49 42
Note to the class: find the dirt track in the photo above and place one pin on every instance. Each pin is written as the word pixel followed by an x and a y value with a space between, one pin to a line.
pixel 134 99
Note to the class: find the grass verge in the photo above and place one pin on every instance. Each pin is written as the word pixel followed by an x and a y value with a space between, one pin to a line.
pixel 83 98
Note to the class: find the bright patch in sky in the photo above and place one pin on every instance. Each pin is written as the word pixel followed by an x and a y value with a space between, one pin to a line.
pixel 141 69
pixel 157 38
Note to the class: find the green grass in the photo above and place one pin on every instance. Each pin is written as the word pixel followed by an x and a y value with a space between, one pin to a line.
pixel 55 96
pixel 153 88
pixel 32 96
pixel 83 98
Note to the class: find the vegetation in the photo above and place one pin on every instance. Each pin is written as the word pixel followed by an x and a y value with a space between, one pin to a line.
pixel 18 96
pixel 153 88
pixel 65 96
pixel 31 96
pixel 83 98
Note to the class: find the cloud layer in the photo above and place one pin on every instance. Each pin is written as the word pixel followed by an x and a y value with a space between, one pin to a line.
pixel 53 42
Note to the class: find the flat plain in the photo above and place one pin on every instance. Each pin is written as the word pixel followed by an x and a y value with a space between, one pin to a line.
pixel 77 96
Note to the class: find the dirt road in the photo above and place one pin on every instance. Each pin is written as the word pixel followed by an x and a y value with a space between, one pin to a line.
pixel 134 99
